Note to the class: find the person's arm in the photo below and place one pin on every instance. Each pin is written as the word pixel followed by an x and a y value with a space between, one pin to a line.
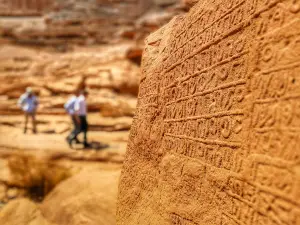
pixel 21 101
pixel 36 102
pixel 67 104
pixel 70 103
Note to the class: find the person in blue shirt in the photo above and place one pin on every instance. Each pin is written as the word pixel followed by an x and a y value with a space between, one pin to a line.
pixel 70 109
pixel 28 102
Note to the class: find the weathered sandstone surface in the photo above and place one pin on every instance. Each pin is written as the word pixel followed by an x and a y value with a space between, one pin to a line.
pixel 216 136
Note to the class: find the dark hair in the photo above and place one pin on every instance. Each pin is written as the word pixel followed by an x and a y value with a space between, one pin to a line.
pixel 84 92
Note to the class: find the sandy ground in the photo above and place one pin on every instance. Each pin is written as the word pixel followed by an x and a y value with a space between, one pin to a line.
pixel 12 137
pixel 49 149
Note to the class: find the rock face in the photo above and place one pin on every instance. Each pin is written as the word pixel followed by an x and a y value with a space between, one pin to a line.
pixel 216 136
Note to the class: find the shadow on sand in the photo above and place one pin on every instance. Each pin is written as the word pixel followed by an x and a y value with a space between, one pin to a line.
pixel 94 145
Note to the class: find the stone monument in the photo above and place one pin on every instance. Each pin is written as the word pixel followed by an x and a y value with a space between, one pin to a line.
pixel 216 136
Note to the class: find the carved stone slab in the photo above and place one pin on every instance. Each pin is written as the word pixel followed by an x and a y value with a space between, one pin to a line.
pixel 216 137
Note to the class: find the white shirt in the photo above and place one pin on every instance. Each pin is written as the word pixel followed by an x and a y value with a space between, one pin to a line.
pixel 70 105
pixel 80 106
pixel 28 103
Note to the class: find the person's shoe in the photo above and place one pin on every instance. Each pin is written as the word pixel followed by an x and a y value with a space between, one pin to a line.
pixel 86 145
pixel 69 140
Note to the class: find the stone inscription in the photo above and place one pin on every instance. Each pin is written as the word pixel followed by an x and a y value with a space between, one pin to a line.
pixel 216 137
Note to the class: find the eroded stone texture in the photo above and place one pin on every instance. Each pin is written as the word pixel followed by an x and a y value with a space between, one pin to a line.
pixel 216 137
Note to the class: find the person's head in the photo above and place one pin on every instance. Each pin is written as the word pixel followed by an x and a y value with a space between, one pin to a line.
pixel 85 93
pixel 77 93
pixel 29 91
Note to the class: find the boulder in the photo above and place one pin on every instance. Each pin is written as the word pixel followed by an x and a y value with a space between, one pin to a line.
pixel 22 212
pixel 87 198
pixel 35 172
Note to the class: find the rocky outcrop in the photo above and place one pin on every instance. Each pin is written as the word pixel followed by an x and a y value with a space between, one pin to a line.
pixel 22 212
pixel 64 24
pixel 88 198
pixel 215 137
pixel 110 77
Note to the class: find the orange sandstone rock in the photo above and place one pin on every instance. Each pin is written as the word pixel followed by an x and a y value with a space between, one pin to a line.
pixel 87 198
pixel 22 212
pixel 216 136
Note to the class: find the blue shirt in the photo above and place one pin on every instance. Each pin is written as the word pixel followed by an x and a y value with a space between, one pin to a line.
pixel 28 103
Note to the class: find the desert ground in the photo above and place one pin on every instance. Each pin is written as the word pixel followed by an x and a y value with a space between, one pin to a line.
pixel 38 166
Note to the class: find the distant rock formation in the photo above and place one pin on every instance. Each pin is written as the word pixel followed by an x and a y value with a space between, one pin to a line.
pixel 82 22
pixel 24 7
pixel 112 79
pixel 216 136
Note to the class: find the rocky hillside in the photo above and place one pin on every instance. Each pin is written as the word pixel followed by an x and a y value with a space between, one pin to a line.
pixel 65 23
pixel 58 47
pixel 106 72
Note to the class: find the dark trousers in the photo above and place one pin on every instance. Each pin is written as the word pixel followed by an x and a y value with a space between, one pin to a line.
pixel 32 115
pixel 82 127
pixel 76 127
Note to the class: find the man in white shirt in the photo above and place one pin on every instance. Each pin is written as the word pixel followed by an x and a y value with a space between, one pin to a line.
pixel 28 102
pixel 80 108
pixel 70 109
